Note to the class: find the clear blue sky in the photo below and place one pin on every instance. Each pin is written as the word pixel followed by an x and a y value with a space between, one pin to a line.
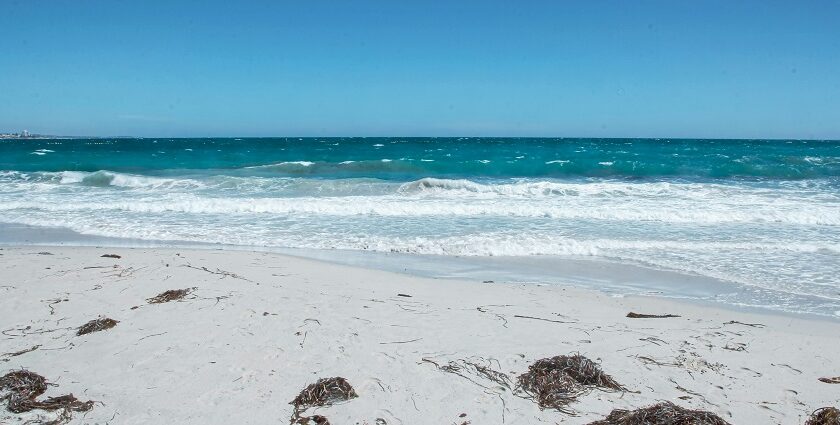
pixel 761 69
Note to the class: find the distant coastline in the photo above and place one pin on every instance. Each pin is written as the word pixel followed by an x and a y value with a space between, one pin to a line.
pixel 22 136
pixel 17 136
pixel 38 137
pixel 27 135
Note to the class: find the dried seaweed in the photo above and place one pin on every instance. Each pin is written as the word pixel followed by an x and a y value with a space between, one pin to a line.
pixel 220 272
pixel 557 381
pixel 586 372
pixel 551 389
pixel 463 368
pixel 96 325
pixel 22 387
pixel 490 374
pixel 312 420
pixel 824 416
pixel 19 353
pixel 324 392
pixel 633 315
pixel 110 256
pixel 752 325
pixel 519 316
pixel 170 295
pixel 664 413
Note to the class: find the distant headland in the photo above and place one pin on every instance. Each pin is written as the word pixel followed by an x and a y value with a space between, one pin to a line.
pixel 25 134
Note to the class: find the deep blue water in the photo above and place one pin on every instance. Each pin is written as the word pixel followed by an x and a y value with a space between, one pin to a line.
pixel 415 158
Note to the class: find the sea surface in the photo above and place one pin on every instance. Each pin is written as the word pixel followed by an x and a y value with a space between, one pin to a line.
pixel 760 217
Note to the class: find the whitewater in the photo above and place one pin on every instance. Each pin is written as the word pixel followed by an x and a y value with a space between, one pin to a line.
pixel 763 217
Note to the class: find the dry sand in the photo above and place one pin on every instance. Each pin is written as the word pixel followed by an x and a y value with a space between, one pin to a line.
pixel 259 327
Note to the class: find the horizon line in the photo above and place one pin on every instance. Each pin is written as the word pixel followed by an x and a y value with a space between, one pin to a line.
pixel 53 137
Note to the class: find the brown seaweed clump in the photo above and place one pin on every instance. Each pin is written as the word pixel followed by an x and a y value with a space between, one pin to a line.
pixel 557 381
pixel 312 420
pixel 21 388
pixel 664 413
pixel 324 392
pixel 824 416
pixel 550 388
pixel 96 325
pixel 170 295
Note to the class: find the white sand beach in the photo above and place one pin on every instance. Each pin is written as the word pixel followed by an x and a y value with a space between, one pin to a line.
pixel 259 327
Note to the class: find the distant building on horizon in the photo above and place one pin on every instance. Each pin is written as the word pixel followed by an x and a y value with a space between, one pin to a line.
pixel 24 134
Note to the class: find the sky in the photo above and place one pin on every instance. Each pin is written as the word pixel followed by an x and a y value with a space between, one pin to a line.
pixel 704 69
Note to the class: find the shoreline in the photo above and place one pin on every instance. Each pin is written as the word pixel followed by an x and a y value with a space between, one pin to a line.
pixel 259 327
pixel 610 277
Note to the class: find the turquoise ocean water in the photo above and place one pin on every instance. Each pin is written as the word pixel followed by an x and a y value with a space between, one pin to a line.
pixel 762 216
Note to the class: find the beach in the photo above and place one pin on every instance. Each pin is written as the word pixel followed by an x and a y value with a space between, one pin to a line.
pixel 420 213
pixel 255 328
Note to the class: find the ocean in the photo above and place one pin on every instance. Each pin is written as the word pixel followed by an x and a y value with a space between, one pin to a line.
pixel 759 218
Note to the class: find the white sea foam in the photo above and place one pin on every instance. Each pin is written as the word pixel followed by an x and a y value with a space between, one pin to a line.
pixel 108 178
pixel 491 243
pixel 564 208
pixel 70 177
pixel 283 164
pixel 301 163
pixel 604 200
